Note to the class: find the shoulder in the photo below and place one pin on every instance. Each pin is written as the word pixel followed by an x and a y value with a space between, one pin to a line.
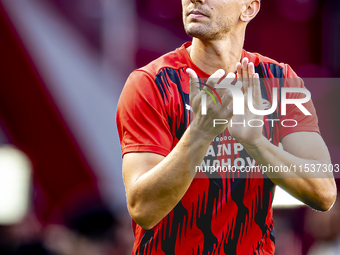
pixel 174 60
pixel 270 67
pixel 156 75
pixel 145 82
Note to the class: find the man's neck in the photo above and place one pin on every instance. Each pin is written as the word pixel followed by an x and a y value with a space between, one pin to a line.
pixel 219 54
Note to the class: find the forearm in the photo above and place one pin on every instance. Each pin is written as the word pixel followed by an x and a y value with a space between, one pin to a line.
pixel 316 189
pixel 155 193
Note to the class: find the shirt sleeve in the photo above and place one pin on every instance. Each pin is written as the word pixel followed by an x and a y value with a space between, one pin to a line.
pixel 142 121
pixel 304 123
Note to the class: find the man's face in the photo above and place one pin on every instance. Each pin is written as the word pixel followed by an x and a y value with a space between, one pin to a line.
pixel 211 19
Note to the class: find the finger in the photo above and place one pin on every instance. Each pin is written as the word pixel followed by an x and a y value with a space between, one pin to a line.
pixel 245 77
pixel 239 84
pixel 215 77
pixel 226 81
pixel 211 84
pixel 194 83
pixel 239 71
pixel 257 95
pixel 227 98
pixel 251 72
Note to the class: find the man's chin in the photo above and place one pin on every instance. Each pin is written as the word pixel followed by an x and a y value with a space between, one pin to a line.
pixel 199 35
pixel 197 32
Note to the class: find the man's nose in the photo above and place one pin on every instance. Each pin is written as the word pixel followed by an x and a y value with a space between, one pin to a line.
pixel 198 1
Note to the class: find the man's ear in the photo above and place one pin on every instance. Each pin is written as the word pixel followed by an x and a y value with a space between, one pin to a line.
pixel 250 10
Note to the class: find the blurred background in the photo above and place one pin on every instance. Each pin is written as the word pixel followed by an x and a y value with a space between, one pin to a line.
pixel 63 65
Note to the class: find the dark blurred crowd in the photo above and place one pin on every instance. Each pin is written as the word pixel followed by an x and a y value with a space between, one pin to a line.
pixel 86 229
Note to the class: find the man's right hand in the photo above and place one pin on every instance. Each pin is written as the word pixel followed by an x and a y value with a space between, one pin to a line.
pixel 204 124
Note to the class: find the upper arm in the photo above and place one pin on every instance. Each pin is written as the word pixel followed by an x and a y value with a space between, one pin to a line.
pixel 142 119
pixel 306 126
pixel 304 139
pixel 306 145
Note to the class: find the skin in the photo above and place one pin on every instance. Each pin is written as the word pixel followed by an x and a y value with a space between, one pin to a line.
pixel 155 184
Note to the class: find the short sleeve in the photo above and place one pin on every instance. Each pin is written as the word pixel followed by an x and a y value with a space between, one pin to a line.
pixel 304 123
pixel 141 117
